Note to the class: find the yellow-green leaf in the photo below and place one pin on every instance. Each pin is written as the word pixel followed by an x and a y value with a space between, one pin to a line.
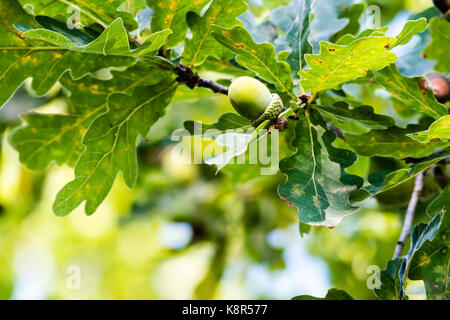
pixel 335 64
pixel 440 129
pixel 410 92
pixel 410 29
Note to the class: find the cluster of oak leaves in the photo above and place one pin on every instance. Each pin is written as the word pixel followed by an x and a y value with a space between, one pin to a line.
pixel 120 75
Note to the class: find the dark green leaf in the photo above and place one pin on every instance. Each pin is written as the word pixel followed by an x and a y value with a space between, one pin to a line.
pixel 111 146
pixel 45 63
pixel 297 37
pixel 57 137
pixel 428 259
pixel 317 183
pixel 431 261
pixel 202 44
pixel 103 12
pixel 440 203
pixel 381 181
pixel 358 120
pixel 393 142
pixel 171 14
pixel 327 20
pixel 353 14
pixel 390 282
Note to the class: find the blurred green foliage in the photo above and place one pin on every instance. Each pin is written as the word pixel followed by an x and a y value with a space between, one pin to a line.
pixel 184 231
pixel 129 249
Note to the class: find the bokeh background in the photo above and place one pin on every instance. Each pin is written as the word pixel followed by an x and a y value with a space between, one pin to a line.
pixel 185 232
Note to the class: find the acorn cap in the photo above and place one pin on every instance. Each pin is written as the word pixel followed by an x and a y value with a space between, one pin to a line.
pixel 272 112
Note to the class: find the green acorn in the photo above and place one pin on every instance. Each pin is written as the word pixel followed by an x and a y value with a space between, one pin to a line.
pixel 252 100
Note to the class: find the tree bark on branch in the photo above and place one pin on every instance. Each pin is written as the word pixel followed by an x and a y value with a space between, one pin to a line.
pixel 192 80
pixel 409 216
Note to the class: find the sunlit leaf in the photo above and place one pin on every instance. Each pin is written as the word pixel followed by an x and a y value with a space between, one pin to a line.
pixel 336 64
pixel 440 129
pixel 47 137
pixel 410 29
pixel 272 4
pixel 113 41
pixel 152 43
pixel 348 38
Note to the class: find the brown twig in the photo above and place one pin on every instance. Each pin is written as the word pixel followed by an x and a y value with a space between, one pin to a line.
pixel 409 216
pixel 192 80
pixel 134 40
pixel 339 132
